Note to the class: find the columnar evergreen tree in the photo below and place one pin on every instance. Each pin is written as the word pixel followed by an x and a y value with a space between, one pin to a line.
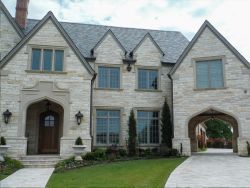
pixel 132 134
pixel 166 125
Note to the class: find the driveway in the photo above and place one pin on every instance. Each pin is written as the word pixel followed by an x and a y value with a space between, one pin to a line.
pixel 214 168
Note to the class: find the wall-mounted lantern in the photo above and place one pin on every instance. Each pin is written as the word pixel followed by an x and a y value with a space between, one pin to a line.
pixel 79 117
pixel 129 67
pixel 7 114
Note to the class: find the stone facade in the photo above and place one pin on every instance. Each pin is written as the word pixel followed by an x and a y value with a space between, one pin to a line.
pixel 232 100
pixel 25 92
pixel 19 88
pixel 129 97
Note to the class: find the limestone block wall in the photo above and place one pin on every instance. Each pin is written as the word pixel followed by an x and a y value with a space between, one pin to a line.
pixel 8 35
pixel 128 96
pixel 233 99
pixel 16 75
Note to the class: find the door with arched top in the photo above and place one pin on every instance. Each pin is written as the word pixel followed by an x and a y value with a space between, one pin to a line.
pixel 49 133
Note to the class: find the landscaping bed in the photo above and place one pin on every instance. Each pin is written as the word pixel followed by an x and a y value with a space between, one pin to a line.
pixel 8 167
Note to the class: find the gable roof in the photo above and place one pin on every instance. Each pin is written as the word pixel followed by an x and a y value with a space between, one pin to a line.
pixel 152 39
pixel 11 20
pixel 86 36
pixel 104 36
pixel 208 25
pixel 36 28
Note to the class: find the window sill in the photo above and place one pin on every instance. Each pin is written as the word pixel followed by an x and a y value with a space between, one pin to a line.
pixel 148 145
pixel 107 145
pixel 207 89
pixel 148 90
pixel 109 89
pixel 45 72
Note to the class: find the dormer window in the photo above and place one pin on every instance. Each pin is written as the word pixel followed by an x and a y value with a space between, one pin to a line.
pixel 47 59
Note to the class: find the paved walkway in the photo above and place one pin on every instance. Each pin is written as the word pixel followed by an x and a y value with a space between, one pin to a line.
pixel 214 168
pixel 28 178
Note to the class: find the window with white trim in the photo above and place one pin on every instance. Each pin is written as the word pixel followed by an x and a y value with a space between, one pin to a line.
pixel 148 127
pixel 107 127
pixel 47 59
pixel 147 79
pixel 209 74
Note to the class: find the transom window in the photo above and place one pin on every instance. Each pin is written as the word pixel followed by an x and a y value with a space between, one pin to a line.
pixel 49 121
pixel 107 126
pixel 147 79
pixel 148 127
pixel 109 77
pixel 209 74
pixel 47 59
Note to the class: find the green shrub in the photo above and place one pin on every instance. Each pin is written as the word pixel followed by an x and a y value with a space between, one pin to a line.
pixel 100 154
pixel 122 152
pixel 2 141
pixel 9 166
pixel 147 152
pixel 78 141
pixel 90 156
pixel 174 152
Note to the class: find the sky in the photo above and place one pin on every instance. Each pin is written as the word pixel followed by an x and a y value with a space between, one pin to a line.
pixel 230 17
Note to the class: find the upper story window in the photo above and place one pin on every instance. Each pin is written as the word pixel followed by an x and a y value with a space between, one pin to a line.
pixel 109 77
pixel 147 79
pixel 47 59
pixel 209 74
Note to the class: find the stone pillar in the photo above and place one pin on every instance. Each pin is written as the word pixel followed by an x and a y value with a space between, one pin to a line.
pixel 185 142
pixel 242 146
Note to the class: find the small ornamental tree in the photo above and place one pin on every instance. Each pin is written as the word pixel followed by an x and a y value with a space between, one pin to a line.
pixel 166 125
pixel 132 134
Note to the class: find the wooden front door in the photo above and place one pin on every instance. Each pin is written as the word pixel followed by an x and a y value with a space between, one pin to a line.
pixel 49 133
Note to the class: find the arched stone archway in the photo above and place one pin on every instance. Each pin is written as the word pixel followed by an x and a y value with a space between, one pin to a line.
pixel 211 113
pixel 44 127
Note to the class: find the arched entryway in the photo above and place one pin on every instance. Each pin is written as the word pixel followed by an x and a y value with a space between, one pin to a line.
pixel 204 116
pixel 44 121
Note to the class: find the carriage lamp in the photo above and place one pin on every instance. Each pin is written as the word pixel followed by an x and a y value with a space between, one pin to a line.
pixel 79 117
pixel 129 67
pixel 7 114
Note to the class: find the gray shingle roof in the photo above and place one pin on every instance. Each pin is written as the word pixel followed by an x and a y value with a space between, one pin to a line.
pixel 86 36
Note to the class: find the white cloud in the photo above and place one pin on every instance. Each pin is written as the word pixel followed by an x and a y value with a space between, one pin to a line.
pixel 228 16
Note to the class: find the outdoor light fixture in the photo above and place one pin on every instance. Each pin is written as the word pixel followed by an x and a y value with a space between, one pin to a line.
pixel 79 117
pixel 129 67
pixel 6 116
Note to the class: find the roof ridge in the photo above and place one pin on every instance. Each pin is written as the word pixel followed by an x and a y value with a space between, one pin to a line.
pixel 112 26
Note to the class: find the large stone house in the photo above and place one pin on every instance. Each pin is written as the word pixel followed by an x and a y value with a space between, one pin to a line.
pixel 50 71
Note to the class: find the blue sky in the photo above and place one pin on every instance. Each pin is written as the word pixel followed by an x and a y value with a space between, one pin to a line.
pixel 230 17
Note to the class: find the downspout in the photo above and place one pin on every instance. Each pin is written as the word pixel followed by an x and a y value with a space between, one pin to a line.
pixel 172 105
pixel 91 111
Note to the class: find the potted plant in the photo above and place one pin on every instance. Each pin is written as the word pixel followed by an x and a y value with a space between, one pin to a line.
pixel 78 149
pixel 3 148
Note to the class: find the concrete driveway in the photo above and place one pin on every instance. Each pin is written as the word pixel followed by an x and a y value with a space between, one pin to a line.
pixel 214 168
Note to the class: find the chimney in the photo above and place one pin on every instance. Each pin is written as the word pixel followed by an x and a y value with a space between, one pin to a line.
pixel 22 12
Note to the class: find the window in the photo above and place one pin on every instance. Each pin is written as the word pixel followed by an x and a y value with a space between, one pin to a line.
pixel 109 77
pixel 147 79
pixel 107 126
pixel 47 59
pixel 209 74
pixel 49 121
pixel 148 127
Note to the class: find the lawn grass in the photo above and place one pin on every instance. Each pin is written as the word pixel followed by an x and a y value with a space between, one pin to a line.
pixel 2 176
pixel 138 173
